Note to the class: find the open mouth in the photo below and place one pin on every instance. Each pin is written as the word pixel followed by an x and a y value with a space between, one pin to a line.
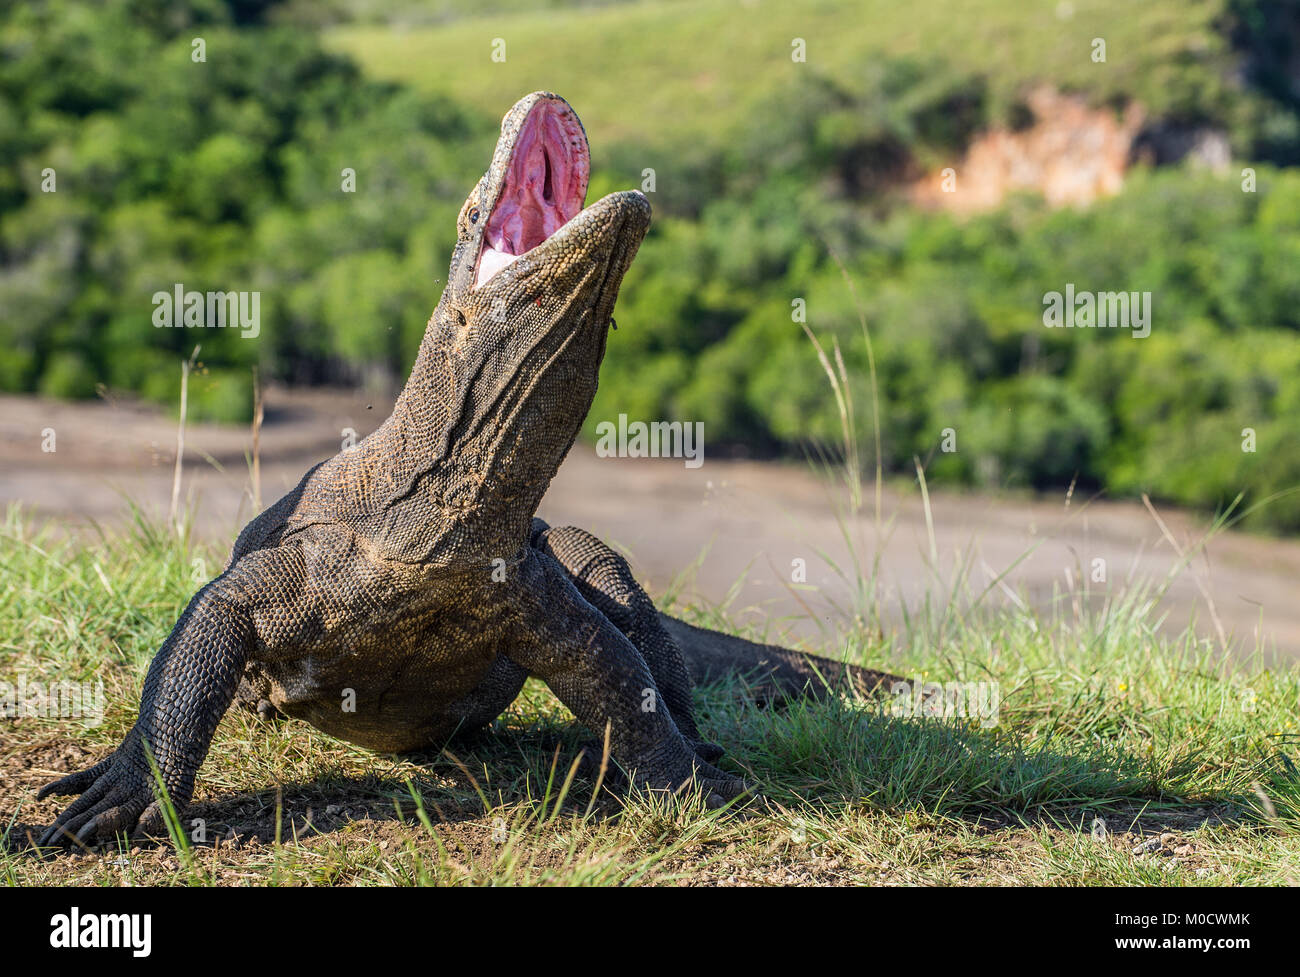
pixel 545 187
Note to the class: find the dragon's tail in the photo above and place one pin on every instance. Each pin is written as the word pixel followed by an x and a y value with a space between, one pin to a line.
pixel 770 670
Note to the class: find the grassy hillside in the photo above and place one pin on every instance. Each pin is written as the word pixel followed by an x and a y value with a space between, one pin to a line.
pixel 693 69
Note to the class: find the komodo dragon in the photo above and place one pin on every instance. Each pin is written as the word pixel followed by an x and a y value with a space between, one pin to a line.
pixel 404 591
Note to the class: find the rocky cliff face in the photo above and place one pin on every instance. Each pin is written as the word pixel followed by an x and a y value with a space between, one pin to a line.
pixel 1070 153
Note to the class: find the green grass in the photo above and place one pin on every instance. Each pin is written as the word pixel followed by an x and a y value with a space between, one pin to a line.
pixel 1101 717
pixel 638 72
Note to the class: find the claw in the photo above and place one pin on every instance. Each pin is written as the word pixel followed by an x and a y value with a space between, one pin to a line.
pixel 108 824
pixel 74 783
pixel 85 828
pixel 49 836
pixel 151 823
pixel 71 818
pixel 114 792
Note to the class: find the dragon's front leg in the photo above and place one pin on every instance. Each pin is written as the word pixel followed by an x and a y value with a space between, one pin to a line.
pixel 594 669
pixel 189 686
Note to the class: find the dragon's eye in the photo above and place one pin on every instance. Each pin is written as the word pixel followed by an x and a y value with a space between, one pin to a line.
pixel 473 215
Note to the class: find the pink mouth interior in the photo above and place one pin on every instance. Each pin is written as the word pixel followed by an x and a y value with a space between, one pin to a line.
pixel 545 186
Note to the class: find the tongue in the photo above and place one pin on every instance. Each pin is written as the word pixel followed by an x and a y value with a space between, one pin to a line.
pixel 490 262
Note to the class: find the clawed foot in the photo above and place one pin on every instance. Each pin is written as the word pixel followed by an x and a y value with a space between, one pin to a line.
pixel 681 776
pixel 687 774
pixel 116 796
pixel 589 760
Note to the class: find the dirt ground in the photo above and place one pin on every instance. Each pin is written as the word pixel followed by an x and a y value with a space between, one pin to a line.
pixel 345 835
pixel 739 520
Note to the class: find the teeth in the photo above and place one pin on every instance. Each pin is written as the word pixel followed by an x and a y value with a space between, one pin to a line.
pixel 490 262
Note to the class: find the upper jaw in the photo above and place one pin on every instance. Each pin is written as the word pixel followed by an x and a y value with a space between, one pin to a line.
pixel 530 208
pixel 536 184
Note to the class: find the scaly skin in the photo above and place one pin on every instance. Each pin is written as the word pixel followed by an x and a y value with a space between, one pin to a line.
pixel 404 591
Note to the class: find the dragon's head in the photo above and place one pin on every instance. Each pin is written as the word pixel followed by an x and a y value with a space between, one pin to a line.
pixel 529 300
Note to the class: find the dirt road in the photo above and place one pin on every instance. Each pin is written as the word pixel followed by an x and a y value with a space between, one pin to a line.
pixel 739 519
